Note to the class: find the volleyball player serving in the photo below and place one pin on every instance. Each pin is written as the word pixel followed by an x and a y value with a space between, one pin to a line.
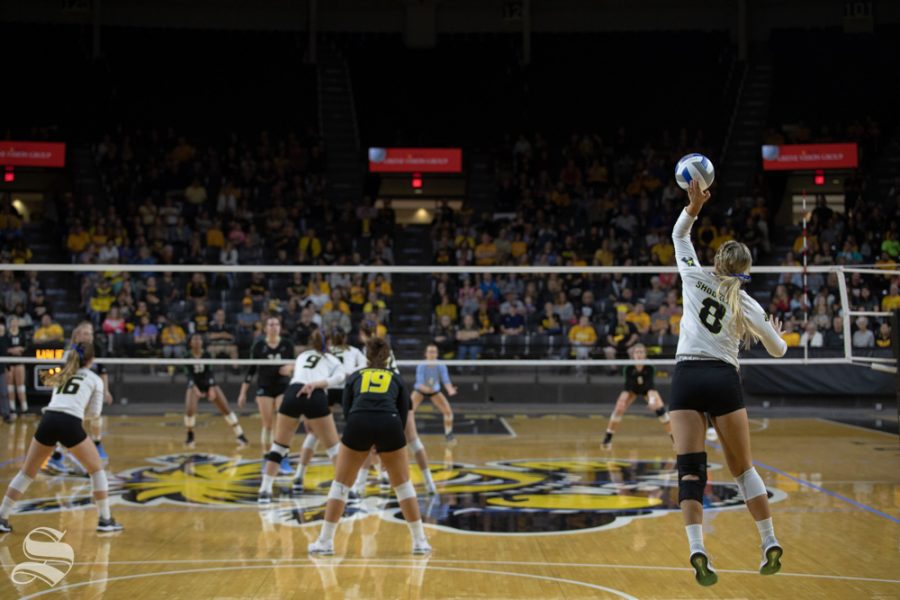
pixel 718 317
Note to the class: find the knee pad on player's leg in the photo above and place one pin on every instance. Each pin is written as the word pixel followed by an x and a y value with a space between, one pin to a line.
pixel 309 443
pixel 20 482
pixel 405 491
pixel 338 491
pixel 99 481
pixel 662 414
pixel 693 464
pixel 277 453
pixel 416 445
pixel 750 484
pixel 333 451
pixel 190 421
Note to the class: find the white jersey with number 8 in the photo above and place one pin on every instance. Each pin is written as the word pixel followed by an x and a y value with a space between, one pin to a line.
pixel 706 325
pixel 80 396
pixel 312 366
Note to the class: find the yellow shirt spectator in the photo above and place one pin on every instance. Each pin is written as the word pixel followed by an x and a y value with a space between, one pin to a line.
pixel 890 303
pixel 791 338
pixel 675 324
pixel 720 239
pixel 518 248
pixel 641 321
pixel 663 252
pixel 384 289
pixel 447 309
pixel 585 335
pixel 77 242
pixel 342 306
pixel 311 246
pixel 603 257
pixel 173 334
pixel 51 333
pixel 215 238
pixel 485 254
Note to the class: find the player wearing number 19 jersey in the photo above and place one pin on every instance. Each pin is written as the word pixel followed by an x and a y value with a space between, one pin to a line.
pixel 718 317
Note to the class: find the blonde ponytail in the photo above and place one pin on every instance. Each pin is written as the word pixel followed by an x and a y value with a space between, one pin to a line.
pixel 733 260
pixel 79 356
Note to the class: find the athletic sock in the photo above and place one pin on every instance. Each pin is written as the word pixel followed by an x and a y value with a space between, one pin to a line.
pixel 327 533
pixel 766 530
pixel 448 429
pixel 267 481
pixel 695 537
pixel 103 508
pixel 6 507
pixel 429 480
pixel 416 530
pixel 361 478
pixel 301 471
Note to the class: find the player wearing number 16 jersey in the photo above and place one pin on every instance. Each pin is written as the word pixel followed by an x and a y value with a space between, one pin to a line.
pixel 718 317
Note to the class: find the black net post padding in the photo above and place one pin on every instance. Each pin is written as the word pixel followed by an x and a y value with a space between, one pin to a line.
pixel 895 343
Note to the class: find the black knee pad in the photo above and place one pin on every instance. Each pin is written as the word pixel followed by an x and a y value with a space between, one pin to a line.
pixel 660 412
pixel 691 464
pixel 275 457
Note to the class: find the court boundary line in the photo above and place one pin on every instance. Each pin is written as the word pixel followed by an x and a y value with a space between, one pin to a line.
pixel 509 429
pixel 860 427
pixel 313 565
pixel 819 488
pixel 360 562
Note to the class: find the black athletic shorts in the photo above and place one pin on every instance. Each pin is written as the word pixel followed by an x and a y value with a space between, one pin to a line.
pixel 59 427
pixel 335 396
pixel 380 429
pixel 273 390
pixel 313 406
pixel 202 385
pixel 710 386
pixel 639 390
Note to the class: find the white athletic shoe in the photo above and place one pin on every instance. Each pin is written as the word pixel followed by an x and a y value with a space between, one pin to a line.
pixel 321 548
pixel 703 569
pixel 421 547
pixel 711 435
pixel 771 562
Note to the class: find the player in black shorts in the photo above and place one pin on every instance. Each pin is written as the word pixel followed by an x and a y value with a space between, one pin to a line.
pixel 376 405
pixel 639 381
pixel 270 382
pixel 202 384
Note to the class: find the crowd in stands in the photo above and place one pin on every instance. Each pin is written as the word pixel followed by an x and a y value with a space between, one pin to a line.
pixel 170 201
pixel 589 201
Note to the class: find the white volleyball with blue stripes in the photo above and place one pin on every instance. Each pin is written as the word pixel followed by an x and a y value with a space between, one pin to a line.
pixel 694 166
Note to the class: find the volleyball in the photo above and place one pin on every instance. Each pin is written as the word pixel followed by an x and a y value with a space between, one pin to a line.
pixel 694 166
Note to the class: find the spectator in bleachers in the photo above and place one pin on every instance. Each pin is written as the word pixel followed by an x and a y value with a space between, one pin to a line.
pixel 883 339
pixel 333 319
pixel 113 323
pixel 444 336
pixel 77 241
pixel 173 339
pixel 468 339
pixel 622 336
pixel 14 296
pixel 220 338
pixel 513 321
pixel 548 322
pixel 583 338
pixel 197 289
pixel 446 308
pixel 638 316
pixel 49 331
pixel 863 336
pixel 247 321
pixel 891 301
pixel 146 337
pixel 811 337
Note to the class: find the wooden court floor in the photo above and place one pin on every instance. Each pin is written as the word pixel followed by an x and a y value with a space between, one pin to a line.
pixel 537 512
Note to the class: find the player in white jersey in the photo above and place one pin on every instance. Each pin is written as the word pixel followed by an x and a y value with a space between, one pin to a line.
pixel 314 371
pixel 353 360
pixel 718 318
pixel 79 394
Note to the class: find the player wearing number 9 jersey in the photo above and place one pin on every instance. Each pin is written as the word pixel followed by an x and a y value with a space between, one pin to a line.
pixel 314 371
pixel 718 317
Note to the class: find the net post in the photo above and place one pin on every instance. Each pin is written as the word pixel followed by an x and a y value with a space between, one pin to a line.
pixel 845 305
pixel 895 343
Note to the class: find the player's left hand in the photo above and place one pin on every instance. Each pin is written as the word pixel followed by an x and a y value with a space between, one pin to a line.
pixel 451 389
pixel 306 390
pixel 777 325
pixel 697 196
pixel 107 397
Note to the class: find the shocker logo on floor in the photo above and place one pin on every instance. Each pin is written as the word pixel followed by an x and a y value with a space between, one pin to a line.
pixel 515 497
pixel 50 559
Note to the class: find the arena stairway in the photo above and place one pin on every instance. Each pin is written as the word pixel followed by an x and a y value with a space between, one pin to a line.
pixel 742 154
pixel 338 126
pixel 60 288
pixel 411 305
pixel 887 168
pixel 481 194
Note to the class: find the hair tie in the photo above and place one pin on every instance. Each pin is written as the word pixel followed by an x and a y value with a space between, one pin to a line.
pixel 742 276
pixel 80 351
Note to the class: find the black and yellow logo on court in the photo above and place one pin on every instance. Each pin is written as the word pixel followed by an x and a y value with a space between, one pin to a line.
pixel 517 497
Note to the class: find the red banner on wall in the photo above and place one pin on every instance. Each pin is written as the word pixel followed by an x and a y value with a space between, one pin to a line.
pixel 32 154
pixel 415 160
pixel 799 157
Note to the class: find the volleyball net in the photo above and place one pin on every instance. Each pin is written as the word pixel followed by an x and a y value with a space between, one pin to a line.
pixel 492 325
